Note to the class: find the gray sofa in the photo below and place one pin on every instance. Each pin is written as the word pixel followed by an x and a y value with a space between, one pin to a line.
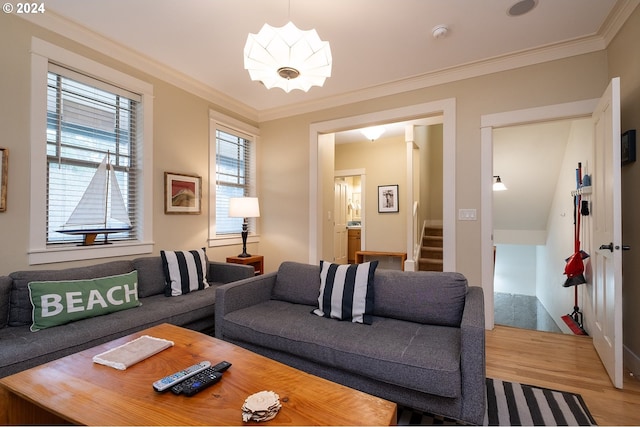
pixel 424 349
pixel 20 348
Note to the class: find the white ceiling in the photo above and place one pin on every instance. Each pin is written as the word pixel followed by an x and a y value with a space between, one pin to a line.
pixel 378 46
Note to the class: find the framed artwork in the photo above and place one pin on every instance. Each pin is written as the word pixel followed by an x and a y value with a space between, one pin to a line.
pixel 628 147
pixel 4 174
pixel 388 198
pixel 182 193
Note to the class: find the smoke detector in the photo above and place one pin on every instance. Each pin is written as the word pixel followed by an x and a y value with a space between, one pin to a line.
pixel 440 31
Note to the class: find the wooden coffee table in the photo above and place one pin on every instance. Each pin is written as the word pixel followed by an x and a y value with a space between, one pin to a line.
pixel 75 390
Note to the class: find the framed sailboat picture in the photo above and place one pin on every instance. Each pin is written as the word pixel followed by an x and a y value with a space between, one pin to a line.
pixel 182 193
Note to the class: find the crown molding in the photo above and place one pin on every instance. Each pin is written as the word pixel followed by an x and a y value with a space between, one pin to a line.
pixel 616 19
pixel 445 75
pixel 79 34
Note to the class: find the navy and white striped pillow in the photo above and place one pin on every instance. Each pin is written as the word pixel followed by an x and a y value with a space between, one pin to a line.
pixel 184 271
pixel 346 291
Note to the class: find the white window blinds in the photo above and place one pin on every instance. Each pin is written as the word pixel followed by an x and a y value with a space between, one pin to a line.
pixel 89 120
pixel 234 177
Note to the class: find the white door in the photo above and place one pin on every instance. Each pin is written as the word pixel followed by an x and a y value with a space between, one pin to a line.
pixel 607 234
pixel 340 234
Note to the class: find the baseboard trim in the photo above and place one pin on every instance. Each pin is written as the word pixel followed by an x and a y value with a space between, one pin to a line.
pixel 631 361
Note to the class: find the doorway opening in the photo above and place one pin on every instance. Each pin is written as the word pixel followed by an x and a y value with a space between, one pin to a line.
pixel 528 235
pixel 322 168
pixel 533 219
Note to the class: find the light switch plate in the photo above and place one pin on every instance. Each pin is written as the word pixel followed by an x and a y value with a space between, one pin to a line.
pixel 467 215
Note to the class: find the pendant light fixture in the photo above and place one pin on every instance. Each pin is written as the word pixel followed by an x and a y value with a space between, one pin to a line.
pixel 287 57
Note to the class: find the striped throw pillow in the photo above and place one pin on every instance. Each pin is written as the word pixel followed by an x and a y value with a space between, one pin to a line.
pixel 184 271
pixel 346 291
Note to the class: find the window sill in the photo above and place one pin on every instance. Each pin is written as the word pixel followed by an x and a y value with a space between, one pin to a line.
pixel 232 240
pixel 77 253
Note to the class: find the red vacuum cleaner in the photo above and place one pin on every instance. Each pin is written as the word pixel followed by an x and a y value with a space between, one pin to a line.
pixel 574 269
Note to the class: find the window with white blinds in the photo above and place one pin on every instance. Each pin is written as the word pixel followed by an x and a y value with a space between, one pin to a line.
pixel 234 178
pixel 89 121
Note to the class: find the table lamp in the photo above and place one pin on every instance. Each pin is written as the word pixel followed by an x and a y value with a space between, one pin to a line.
pixel 244 207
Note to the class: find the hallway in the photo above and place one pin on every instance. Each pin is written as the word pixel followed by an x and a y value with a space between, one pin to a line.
pixel 522 311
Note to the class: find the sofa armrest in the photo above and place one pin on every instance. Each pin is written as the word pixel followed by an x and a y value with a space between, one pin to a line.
pixel 472 356
pixel 224 272
pixel 244 293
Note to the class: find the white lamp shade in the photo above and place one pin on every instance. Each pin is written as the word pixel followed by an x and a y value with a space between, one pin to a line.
pixel 288 47
pixel 244 207
pixel 498 185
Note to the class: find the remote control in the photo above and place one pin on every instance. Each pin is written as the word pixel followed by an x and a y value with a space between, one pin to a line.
pixel 221 367
pixel 173 379
pixel 198 382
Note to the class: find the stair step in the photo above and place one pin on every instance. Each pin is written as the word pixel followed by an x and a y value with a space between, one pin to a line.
pixel 431 252
pixel 432 241
pixel 433 231
pixel 430 264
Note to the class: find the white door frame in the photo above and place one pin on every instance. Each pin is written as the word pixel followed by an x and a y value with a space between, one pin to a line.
pixel 362 173
pixel 445 107
pixel 487 124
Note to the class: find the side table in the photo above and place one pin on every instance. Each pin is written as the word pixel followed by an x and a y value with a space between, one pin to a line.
pixel 257 261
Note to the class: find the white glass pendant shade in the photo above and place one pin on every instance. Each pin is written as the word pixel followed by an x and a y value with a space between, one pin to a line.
pixel 287 57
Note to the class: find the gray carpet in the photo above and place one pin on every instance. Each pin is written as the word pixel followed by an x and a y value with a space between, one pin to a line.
pixel 513 404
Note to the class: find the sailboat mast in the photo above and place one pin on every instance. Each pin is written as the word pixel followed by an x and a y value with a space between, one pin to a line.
pixel 106 194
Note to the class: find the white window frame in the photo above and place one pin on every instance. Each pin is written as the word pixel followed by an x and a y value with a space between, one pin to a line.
pixel 39 252
pixel 223 122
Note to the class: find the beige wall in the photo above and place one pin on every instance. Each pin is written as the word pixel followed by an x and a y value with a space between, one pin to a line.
pixel 577 78
pixel 385 164
pixel 624 62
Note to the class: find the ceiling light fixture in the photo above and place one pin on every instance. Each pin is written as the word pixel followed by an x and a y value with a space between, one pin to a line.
pixel 372 133
pixel 287 57
pixel 498 185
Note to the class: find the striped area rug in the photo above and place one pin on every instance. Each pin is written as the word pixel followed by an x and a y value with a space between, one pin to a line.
pixel 514 404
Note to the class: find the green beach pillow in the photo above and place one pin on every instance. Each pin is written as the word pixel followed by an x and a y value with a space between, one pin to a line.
pixel 59 302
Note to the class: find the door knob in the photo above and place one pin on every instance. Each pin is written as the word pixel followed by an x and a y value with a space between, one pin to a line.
pixel 609 246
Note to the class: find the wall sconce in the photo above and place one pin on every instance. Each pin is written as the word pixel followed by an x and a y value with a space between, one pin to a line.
pixel 498 185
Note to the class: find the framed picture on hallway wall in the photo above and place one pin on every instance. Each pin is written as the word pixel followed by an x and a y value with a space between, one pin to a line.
pixel 4 174
pixel 388 198
pixel 182 193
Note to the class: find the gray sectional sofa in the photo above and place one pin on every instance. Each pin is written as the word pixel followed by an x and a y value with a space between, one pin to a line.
pixel 20 348
pixel 424 349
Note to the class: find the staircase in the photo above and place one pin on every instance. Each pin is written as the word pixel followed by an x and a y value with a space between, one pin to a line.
pixel 431 250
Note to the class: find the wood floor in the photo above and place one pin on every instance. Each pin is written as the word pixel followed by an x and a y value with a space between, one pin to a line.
pixel 562 362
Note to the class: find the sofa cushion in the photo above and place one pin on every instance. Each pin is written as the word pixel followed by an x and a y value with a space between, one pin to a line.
pixel 60 302
pixel 5 299
pixel 297 283
pixel 421 357
pixel 20 311
pixel 151 279
pixel 185 271
pixel 420 296
pixel 346 291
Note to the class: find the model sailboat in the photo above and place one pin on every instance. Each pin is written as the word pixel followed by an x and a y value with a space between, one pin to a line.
pixel 97 213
